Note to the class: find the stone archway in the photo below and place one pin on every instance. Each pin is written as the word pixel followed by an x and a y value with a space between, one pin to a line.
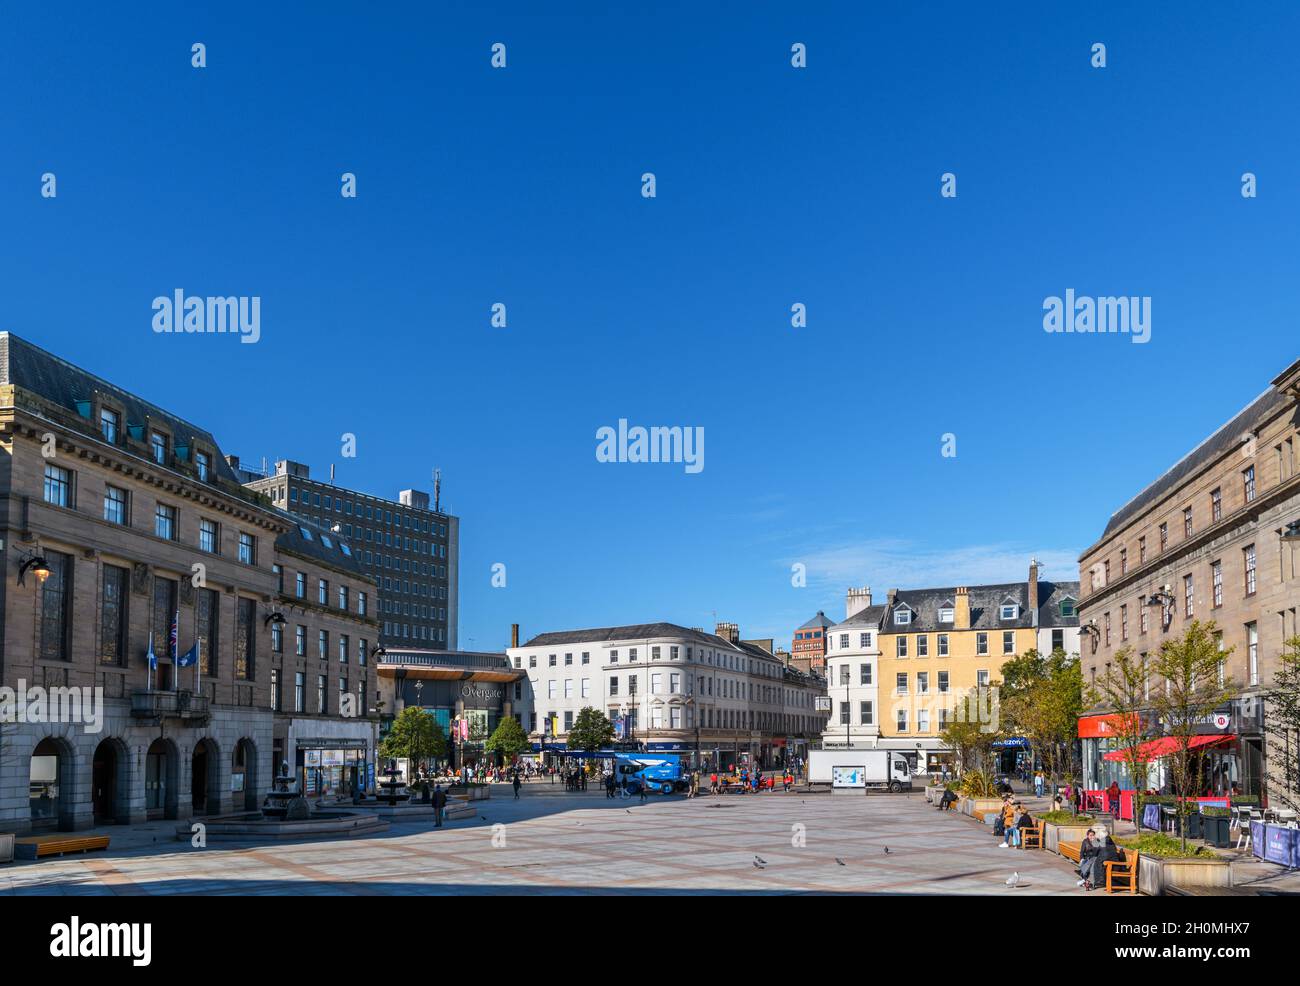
pixel 162 780
pixel 110 783
pixel 205 777
pixel 52 784
pixel 243 774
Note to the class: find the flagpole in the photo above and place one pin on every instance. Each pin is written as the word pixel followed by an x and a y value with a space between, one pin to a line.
pixel 176 651
pixel 198 662
pixel 148 665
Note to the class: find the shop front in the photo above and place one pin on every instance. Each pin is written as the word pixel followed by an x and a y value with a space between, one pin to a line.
pixel 330 758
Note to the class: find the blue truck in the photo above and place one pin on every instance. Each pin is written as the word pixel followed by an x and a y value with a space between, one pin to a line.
pixel 660 772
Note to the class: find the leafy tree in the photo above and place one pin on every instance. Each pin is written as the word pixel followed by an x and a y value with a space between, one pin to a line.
pixel 1282 714
pixel 591 730
pixel 1190 667
pixel 1043 704
pixel 508 739
pixel 973 729
pixel 414 735
pixel 1123 693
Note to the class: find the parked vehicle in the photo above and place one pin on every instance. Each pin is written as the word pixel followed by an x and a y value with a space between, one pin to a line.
pixel 660 772
pixel 870 769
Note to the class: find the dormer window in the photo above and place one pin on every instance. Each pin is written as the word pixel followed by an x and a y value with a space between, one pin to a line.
pixel 203 463
pixel 158 447
pixel 1067 608
pixel 903 616
pixel 110 424
pixel 1009 611
pixel 945 614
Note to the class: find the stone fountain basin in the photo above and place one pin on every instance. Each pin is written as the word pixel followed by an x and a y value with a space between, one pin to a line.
pixel 253 826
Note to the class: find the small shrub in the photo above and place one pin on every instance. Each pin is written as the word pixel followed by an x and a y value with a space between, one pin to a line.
pixel 1065 818
pixel 1166 847
pixel 1213 812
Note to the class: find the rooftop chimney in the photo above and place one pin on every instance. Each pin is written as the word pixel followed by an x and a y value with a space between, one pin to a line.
pixel 892 595
pixel 1033 590
pixel 858 600
pixel 729 632
pixel 961 611
pixel 514 634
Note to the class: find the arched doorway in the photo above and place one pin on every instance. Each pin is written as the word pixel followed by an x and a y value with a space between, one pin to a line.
pixel 243 774
pixel 50 784
pixel 161 794
pixel 205 794
pixel 109 791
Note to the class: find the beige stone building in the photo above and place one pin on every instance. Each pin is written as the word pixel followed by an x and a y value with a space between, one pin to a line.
pixel 1208 540
pixel 118 521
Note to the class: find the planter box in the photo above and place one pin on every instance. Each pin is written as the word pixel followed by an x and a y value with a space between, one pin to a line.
pixel 1214 829
pixel 6 848
pixel 1156 876
pixel 971 805
pixel 475 792
pixel 933 794
pixel 1054 835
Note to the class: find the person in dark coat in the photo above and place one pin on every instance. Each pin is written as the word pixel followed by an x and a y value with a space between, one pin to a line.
pixel 1088 850
pixel 439 803
pixel 516 785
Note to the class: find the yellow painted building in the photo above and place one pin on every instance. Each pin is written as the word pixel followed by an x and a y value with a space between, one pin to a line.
pixel 938 645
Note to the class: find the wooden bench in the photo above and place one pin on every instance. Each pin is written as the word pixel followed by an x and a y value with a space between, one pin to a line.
pixel 1070 850
pixel 38 846
pixel 1032 838
pixel 1121 876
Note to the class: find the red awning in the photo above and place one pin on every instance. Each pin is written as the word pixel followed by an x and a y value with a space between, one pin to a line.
pixel 1165 745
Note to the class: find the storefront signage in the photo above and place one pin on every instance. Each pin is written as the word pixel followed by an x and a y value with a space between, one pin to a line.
pixel 331 743
pixel 485 693
pixel 1097 727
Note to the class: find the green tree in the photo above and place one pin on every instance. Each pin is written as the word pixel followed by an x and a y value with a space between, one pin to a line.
pixel 1194 688
pixel 1123 693
pixel 1282 714
pixel 508 739
pixel 1041 700
pixel 414 735
pixel 591 730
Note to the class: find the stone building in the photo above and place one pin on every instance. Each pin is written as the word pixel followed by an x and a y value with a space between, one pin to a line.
pixel 1213 538
pixel 120 519
pixel 323 653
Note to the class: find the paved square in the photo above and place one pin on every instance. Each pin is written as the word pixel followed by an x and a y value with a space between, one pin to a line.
pixel 558 843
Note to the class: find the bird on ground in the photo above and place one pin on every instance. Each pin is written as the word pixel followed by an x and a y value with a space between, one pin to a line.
pixel 1013 880
pixel 840 861
pixel 886 850
pixel 760 859
pixel 759 866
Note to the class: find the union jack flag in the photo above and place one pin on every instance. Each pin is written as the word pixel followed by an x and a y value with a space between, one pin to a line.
pixel 171 637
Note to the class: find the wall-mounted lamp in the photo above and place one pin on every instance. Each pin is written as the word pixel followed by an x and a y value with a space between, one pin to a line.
pixel 1093 631
pixel 1292 533
pixel 1164 598
pixel 276 617
pixel 378 651
pixel 35 563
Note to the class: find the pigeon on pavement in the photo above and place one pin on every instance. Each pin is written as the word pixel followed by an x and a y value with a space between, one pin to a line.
pixel 1013 880
pixel 840 861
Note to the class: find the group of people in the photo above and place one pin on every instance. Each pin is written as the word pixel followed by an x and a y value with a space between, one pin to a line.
pixel 1094 853
pixel 1011 822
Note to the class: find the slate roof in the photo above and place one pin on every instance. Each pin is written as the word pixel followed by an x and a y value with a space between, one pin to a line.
pixel 985 605
pixel 871 616
pixel 636 631
pixel 315 548
pixel 25 365
pixel 1228 437
pixel 820 620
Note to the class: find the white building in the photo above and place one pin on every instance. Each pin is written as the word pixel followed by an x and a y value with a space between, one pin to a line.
pixel 672 688
pixel 852 674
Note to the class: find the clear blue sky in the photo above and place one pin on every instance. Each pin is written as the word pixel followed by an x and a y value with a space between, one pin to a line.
pixel 775 186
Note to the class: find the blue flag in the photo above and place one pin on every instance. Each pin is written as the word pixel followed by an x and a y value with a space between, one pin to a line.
pixel 153 658
pixel 189 658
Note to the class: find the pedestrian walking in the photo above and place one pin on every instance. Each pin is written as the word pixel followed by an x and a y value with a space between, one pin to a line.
pixel 516 783
pixel 439 803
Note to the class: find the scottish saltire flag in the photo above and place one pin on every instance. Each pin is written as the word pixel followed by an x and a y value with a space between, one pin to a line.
pixel 171 637
pixel 153 658
pixel 189 658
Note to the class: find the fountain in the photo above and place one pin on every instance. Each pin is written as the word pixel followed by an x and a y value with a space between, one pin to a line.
pixel 394 789
pixel 284 800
